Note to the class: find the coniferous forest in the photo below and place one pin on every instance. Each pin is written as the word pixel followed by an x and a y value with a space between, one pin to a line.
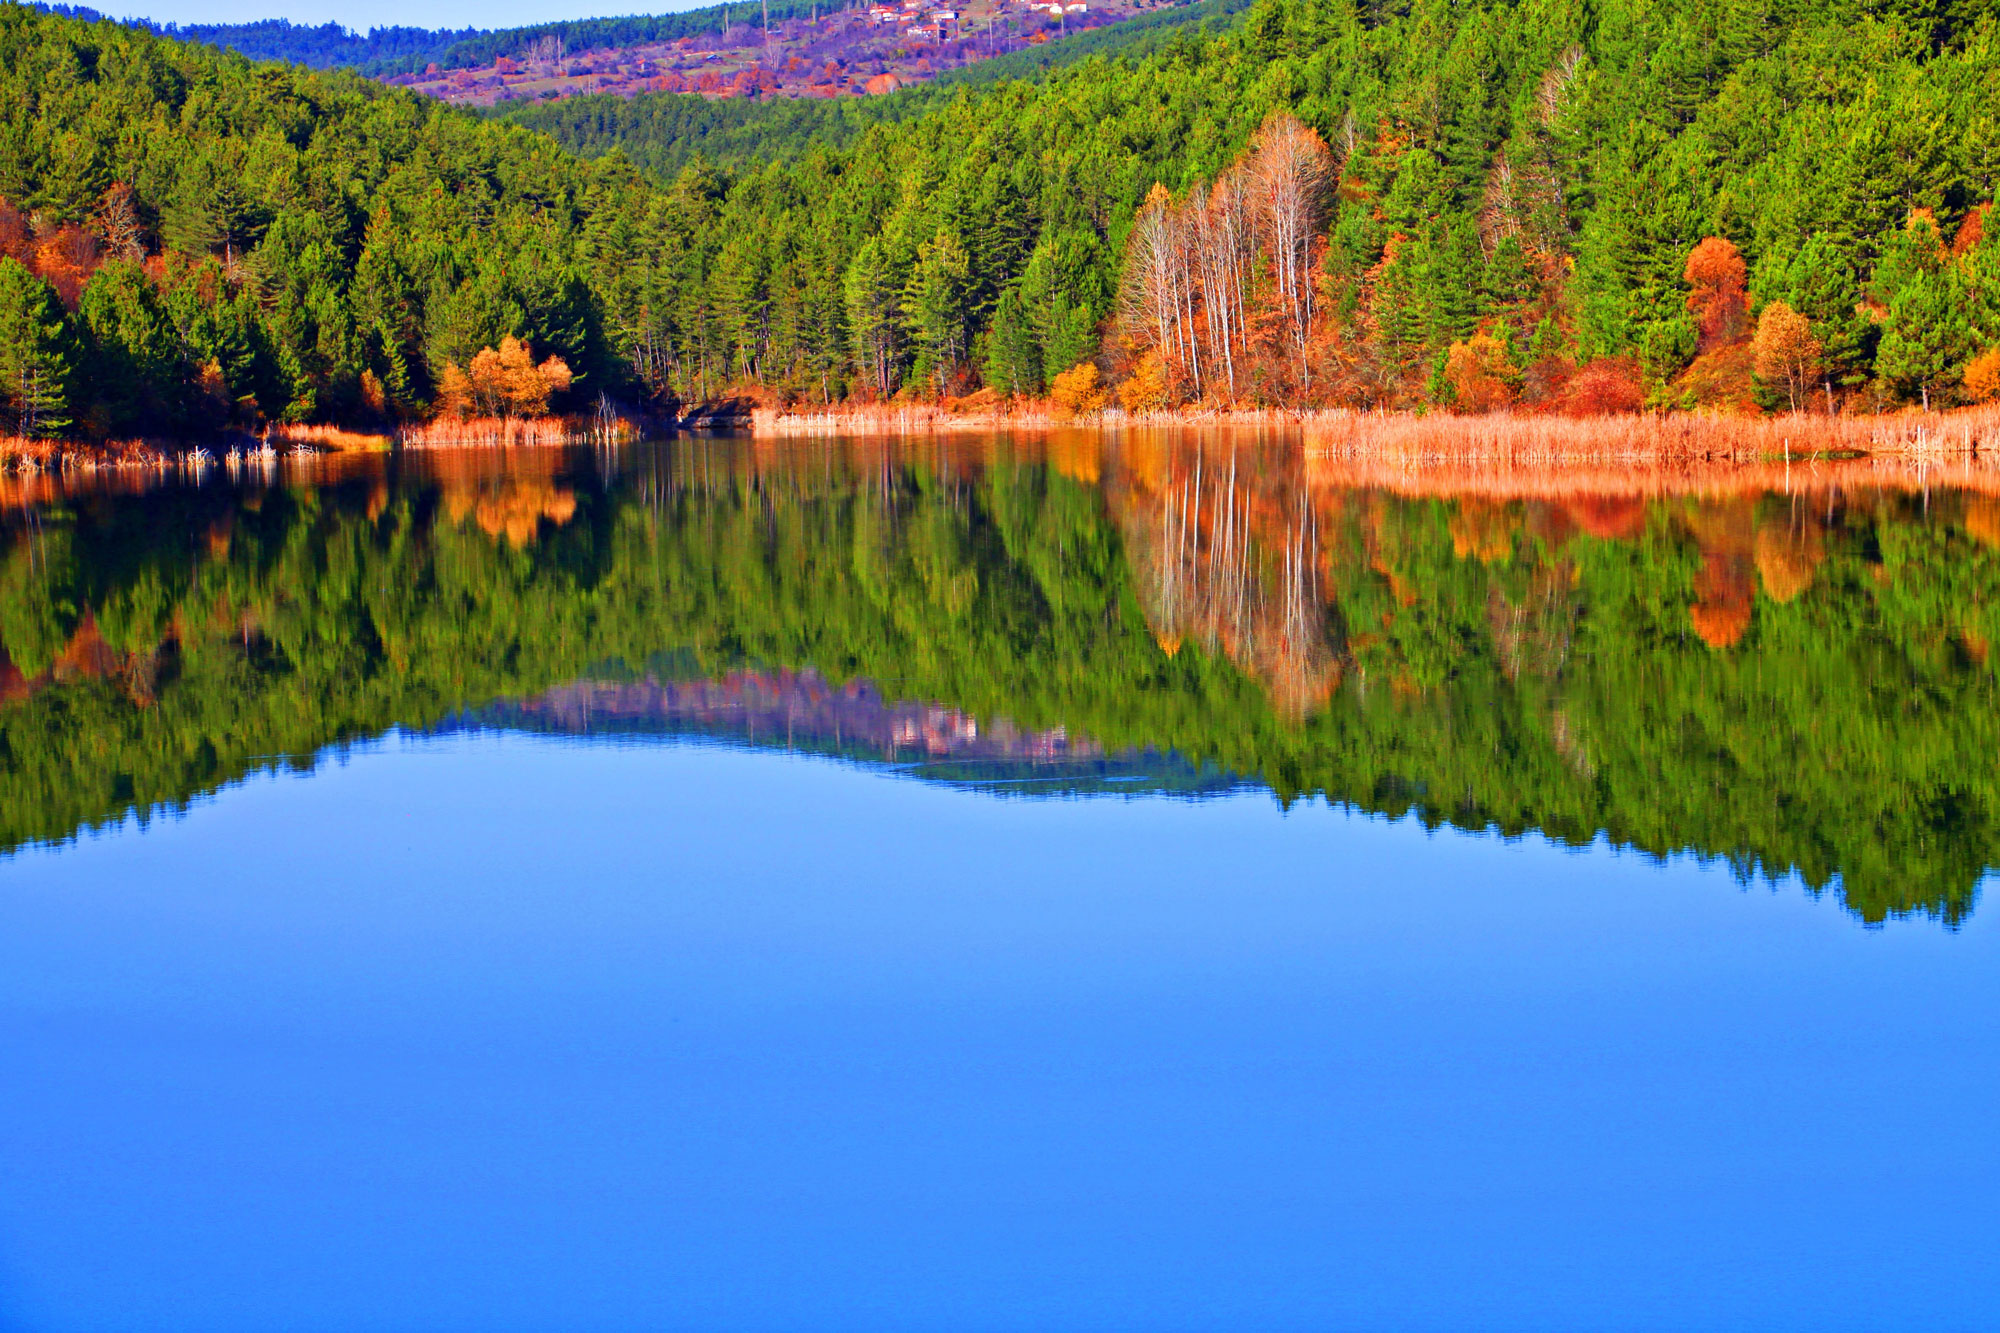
pixel 1728 204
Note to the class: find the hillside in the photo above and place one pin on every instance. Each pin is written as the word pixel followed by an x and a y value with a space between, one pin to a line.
pixel 190 242
pixel 1559 205
pixel 327 46
pixel 843 52
pixel 663 133
pixel 1490 205
pixel 809 48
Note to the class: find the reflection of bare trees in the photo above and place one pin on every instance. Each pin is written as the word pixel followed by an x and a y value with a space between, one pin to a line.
pixel 1226 550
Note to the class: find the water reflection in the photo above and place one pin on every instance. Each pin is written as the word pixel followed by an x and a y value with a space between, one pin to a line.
pixel 1785 666
pixel 803 712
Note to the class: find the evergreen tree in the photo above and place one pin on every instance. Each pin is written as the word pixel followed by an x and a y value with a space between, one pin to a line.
pixel 934 304
pixel 1925 339
pixel 1013 361
pixel 34 354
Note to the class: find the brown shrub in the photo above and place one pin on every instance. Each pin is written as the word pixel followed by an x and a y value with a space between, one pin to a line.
pixel 1721 380
pixel 1608 386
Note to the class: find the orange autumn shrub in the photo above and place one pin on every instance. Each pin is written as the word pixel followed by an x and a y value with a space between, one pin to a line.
pixel 1078 389
pixel 1982 377
pixel 1608 386
pixel 1481 378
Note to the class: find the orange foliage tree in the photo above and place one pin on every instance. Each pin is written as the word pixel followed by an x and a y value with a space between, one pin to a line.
pixel 1147 390
pixel 1982 377
pixel 1481 377
pixel 503 381
pixel 1718 300
pixel 1786 352
pixel 1077 389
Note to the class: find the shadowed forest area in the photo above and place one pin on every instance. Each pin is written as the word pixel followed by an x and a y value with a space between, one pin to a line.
pixel 1730 205
pixel 1799 682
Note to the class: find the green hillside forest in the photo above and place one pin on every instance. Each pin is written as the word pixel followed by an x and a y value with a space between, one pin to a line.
pixel 1551 205
pixel 1549 666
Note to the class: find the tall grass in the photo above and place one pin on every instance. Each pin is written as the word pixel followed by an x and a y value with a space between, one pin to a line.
pixel 1498 437
pixel 515 432
pixel 332 439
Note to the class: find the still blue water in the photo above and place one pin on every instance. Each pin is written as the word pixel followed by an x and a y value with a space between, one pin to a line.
pixel 489 1026
pixel 516 1033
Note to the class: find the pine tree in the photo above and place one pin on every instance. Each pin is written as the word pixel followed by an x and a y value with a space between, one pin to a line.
pixel 1013 362
pixel 873 317
pixel 1925 339
pixel 934 305
pixel 34 360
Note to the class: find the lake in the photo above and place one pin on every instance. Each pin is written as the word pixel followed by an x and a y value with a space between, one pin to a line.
pixel 1142 881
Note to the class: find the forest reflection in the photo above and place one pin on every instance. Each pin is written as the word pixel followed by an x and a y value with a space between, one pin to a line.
pixel 1784 666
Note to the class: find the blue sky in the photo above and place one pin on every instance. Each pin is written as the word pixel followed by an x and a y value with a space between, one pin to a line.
pixel 364 14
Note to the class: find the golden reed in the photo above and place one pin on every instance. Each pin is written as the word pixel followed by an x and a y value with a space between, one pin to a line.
pixel 1498 436
pixel 514 432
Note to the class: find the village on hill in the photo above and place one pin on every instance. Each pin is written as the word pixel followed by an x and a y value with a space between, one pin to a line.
pixel 856 51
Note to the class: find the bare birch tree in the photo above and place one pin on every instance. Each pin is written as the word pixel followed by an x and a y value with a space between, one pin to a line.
pixel 1158 300
pixel 1222 251
pixel 1290 173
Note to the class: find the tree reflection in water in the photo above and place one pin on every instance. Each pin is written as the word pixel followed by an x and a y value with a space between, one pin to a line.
pixel 1784 666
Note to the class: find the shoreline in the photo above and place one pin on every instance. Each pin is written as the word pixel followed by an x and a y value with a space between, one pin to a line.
pixel 1381 443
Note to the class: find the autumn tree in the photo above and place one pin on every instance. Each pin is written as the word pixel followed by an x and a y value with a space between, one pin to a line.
pixel 454 391
pixel 1481 377
pixel 1715 274
pixel 1078 389
pixel 1290 170
pixel 1982 377
pixel 1222 243
pixel 1158 302
pixel 1786 352
pixel 1147 389
pixel 503 381
pixel 118 221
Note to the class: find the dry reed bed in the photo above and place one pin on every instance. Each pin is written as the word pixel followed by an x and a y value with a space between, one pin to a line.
pixel 1536 439
pixel 513 432
pixel 331 439
pixel 1528 457
pixel 1620 441
pixel 26 458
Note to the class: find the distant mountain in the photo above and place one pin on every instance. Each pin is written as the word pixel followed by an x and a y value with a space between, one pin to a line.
pixel 328 46
pixel 397 50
